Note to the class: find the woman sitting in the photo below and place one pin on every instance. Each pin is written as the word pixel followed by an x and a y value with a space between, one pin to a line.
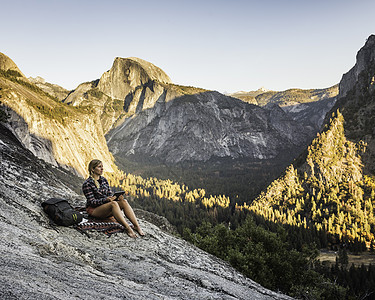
pixel 102 204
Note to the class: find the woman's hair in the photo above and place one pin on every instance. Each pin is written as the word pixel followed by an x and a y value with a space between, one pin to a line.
pixel 93 164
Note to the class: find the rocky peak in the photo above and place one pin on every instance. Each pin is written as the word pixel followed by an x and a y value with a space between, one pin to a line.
pixel 365 56
pixel 7 64
pixel 356 102
pixel 127 74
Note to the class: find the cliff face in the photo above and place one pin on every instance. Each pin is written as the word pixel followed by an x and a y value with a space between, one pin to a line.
pixel 201 126
pixel 130 86
pixel 307 107
pixel 59 134
pixel 335 174
pixel 143 113
pixel 356 102
pixel 365 56
pixel 127 74
pixel 39 261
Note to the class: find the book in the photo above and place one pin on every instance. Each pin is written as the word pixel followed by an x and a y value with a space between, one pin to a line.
pixel 118 194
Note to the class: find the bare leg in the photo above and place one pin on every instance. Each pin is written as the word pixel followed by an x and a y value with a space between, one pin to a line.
pixel 113 209
pixel 129 213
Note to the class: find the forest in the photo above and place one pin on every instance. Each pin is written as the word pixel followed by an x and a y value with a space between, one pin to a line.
pixel 323 200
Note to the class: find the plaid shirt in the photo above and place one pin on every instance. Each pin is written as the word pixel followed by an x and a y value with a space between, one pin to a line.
pixel 96 196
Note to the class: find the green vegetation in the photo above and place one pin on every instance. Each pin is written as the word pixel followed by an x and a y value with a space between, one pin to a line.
pixel 185 90
pixel 94 92
pixel 267 258
pixel 14 77
pixel 55 109
pixel 58 111
pixel 323 200
pixel 327 193
pixel 358 281
pixel 239 179
pixel 10 73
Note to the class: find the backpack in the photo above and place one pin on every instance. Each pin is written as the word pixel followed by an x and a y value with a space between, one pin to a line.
pixel 61 212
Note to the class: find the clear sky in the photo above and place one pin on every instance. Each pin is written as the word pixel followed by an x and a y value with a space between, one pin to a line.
pixel 223 45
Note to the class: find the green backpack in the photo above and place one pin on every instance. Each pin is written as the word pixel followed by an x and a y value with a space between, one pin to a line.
pixel 61 212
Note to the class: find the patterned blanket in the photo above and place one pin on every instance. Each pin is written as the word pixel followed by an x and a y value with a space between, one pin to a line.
pixel 108 226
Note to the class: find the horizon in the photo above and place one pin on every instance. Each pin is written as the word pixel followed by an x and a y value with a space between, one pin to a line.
pixel 228 46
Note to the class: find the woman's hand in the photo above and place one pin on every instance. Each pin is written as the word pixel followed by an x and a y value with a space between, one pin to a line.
pixel 111 198
pixel 121 197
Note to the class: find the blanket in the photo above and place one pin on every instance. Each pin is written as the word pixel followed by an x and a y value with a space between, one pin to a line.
pixel 108 226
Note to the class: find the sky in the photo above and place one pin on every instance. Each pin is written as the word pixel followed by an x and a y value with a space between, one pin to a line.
pixel 223 45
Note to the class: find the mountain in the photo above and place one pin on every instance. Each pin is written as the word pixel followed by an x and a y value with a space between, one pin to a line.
pixel 250 97
pixel 144 115
pixel 357 102
pixel 40 261
pixel 129 87
pixel 151 124
pixel 8 65
pixel 307 107
pixel 289 97
pixel 59 134
pixel 293 97
pixel 331 187
pixel 53 89
pixel 203 126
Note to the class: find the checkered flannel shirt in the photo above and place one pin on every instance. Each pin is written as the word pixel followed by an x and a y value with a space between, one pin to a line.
pixel 96 196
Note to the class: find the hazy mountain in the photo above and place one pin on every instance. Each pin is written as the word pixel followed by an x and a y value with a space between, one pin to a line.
pixel 307 107
pixel 250 97
pixel 293 97
pixel 52 89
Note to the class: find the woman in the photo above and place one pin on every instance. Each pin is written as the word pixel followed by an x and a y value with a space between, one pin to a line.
pixel 102 204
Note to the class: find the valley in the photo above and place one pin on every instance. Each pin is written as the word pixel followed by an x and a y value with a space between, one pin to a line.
pixel 262 181
pixel 330 256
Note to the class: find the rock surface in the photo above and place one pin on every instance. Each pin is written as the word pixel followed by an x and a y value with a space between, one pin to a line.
pixel 307 107
pixel 127 74
pixel 364 57
pixel 171 123
pixel 53 131
pixel 356 101
pixel 7 64
pixel 203 126
pixel 310 115
pixel 52 89
pixel 39 261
